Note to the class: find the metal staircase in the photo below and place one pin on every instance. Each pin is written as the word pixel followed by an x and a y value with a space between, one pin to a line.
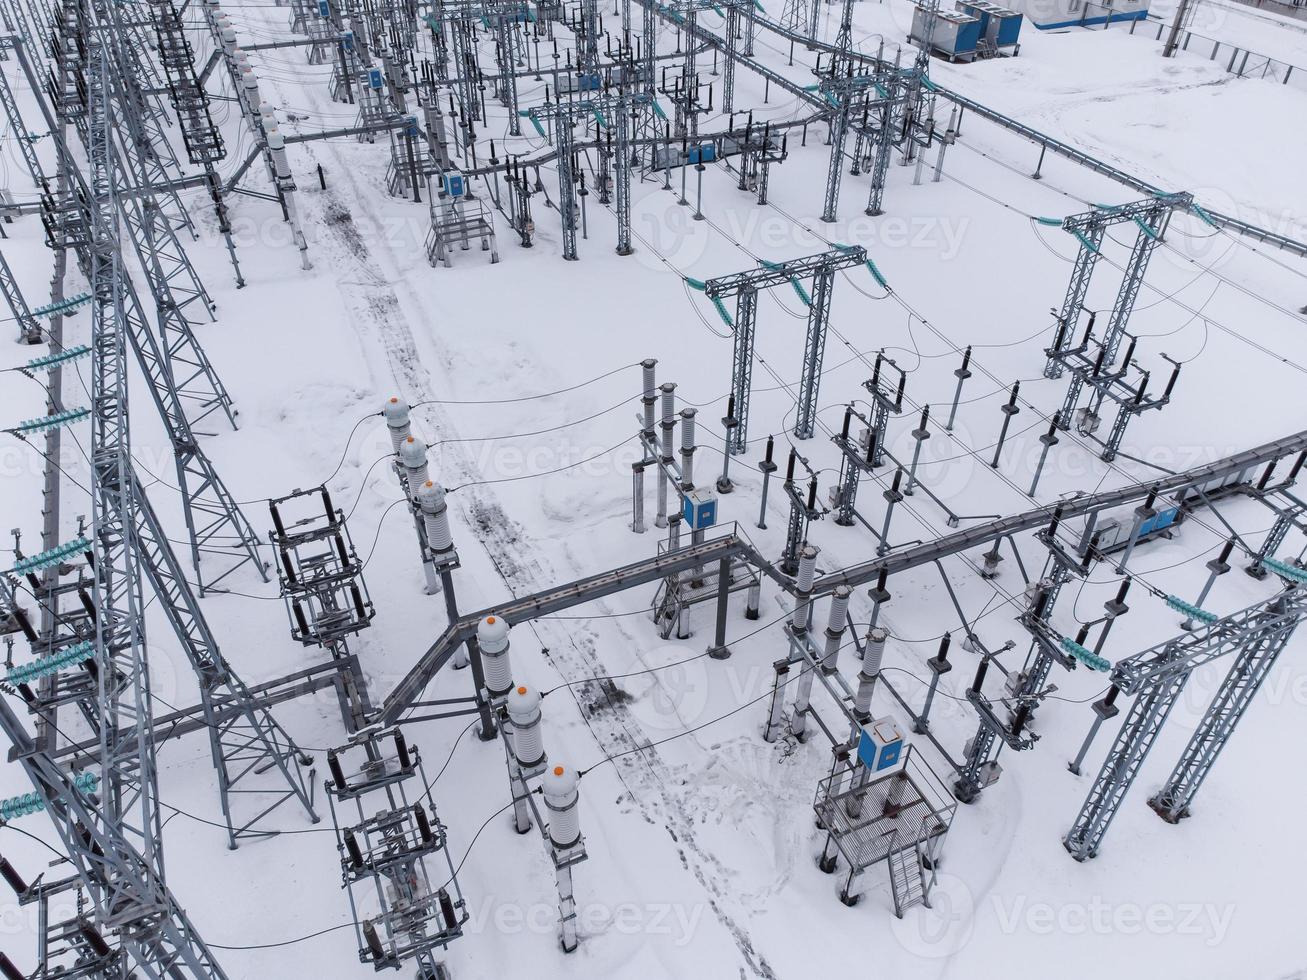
pixel 907 878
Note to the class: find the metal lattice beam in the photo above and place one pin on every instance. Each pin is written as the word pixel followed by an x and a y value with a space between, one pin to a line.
pixel 1251 665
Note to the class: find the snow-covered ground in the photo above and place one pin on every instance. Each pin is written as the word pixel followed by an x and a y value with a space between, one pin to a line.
pixel 702 849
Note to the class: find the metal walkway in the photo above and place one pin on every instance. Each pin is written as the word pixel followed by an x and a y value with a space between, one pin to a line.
pixel 732 545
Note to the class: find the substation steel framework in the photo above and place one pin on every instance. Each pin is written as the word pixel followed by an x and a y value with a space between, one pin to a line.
pixel 610 110
pixel 212 514
pixel 658 568
pixel 744 286
pixel 114 841
pixel 1156 677
pixel 1151 215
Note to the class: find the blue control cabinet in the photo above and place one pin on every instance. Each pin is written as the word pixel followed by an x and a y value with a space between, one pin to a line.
pixel 881 745
pixel 699 511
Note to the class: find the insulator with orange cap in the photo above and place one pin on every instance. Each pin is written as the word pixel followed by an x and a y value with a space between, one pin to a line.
pixel 435 515
pixel 397 420
pixel 413 457
pixel 559 788
pixel 492 637
pixel 528 741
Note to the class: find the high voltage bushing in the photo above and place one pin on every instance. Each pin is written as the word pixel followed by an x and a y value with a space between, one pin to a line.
pixel 919 435
pixel 524 755
pixel 492 638
pixel 729 424
pixel 435 518
pixel 836 623
pixel 413 458
pixel 893 495
pixel 1104 709
pixel 939 666
pixel 798 630
pixel 668 429
pixel 398 421
pixel 526 749
pixel 1216 567
pixel 687 448
pixel 879 595
pixel 1048 440
pixel 873 653
pixel 767 467
pixel 1114 609
pixel 523 706
pixel 562 798
pixel 286 187
pixel 648 400
pixel 1009 409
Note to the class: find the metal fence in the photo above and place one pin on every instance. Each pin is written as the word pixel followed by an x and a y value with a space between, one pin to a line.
pixel 1292 8
pixel 1238 61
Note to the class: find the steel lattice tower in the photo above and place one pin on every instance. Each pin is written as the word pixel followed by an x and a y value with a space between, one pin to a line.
pixel 216 524
pixel 1157 676
pixel 129 895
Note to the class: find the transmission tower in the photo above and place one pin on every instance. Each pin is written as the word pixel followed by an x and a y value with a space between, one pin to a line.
pixel 129 894
pixel 216 525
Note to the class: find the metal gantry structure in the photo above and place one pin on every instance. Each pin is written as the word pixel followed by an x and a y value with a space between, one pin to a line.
pixel 820 270
pixel 1156 677
pixel 1151 215
pixel 108 86
pixel 613 110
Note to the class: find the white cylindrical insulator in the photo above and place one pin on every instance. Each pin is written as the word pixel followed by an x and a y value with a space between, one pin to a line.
pixel 687 446
pixel 492 638
pixel 807 567
pixel 228 40
pixel 277 145
pixel 839 608
pixel 397 420
pixel 874 651
pixel 650 391
pixel 562 798
pixel 435 515
pixel 835 625
pixel 413 457
pixel 807 572
pixel 524 712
